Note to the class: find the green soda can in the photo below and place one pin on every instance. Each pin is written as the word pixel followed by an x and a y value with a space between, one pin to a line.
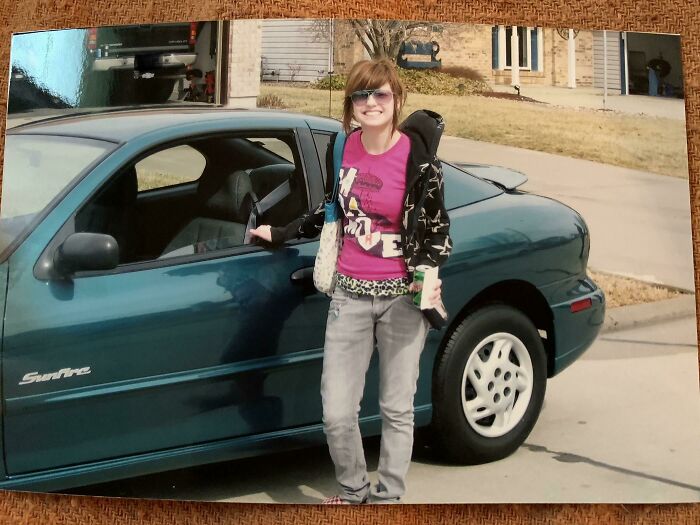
pixel 418 276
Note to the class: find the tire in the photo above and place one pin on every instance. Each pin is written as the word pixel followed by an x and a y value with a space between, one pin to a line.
pixel 472 427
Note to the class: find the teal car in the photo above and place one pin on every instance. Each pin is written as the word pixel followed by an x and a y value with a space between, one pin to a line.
pixel 142 331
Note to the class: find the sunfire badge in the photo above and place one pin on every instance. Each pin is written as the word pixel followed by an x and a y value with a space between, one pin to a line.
pixel 36 377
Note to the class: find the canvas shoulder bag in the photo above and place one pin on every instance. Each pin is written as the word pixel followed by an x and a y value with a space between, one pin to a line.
pixel 331 235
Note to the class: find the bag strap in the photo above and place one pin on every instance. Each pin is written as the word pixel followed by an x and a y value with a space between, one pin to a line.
pixel 338 147
pixel 332 208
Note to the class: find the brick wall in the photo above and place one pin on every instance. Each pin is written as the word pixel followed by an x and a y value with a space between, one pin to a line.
pixel 556 58
pixel 467 45
pixel 584 58
pixel 244 63
pixel 347 48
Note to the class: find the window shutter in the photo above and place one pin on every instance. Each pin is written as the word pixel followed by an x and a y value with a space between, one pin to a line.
pixel 623 57
pixel 533 50
pixel 494 47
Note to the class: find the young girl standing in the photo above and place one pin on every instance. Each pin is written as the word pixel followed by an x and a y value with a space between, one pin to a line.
pixel 391 195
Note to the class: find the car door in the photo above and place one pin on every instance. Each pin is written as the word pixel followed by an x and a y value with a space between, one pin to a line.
pixel 175 351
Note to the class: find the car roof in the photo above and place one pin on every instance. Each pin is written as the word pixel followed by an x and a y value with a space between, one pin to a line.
pixel 125 124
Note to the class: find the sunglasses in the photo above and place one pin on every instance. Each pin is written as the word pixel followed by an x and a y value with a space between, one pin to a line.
pixel 380 96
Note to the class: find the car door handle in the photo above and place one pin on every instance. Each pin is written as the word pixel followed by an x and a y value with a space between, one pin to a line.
pixel 303 274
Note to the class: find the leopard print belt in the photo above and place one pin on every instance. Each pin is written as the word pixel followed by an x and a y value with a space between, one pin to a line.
pixel 383 288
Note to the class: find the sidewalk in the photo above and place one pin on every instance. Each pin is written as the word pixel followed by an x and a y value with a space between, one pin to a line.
pixel 592 98
pixel 633 316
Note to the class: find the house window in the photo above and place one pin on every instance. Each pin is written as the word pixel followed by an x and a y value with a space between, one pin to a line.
pixel 529 44
pixel 523 47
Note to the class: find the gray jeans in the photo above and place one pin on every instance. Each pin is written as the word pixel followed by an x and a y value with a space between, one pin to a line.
pixel 401 330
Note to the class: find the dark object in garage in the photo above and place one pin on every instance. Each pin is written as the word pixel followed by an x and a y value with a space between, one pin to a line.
pixel 419 55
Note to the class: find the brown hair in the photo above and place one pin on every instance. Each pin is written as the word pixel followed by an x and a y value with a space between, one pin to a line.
pixel 371 74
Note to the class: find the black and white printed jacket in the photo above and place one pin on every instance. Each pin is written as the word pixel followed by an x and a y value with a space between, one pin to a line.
pixel 425 231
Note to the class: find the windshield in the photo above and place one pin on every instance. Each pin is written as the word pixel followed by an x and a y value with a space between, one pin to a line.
pixel 37 169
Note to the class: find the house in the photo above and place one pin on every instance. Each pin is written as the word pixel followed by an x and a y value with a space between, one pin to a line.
pixel 564 57
pixel 295 50
pixel 544 56
pixel 304 50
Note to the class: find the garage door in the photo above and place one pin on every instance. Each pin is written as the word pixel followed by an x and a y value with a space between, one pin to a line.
pixel 613 65
pixel 294 50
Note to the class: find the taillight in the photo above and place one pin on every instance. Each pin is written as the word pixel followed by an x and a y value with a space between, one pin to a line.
pixel 583 304
pixel 193 33
pixel 92 38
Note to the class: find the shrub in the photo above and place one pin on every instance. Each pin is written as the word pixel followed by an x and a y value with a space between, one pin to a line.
pixel 336 82
pixel 465 73
pixel 430 82
pixel 423 81
pixel 271 101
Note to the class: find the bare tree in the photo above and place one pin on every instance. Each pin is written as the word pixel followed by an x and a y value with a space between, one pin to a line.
pixel 383 38
pixel 380 38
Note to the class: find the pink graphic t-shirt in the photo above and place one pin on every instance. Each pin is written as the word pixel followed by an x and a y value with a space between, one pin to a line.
pixel 371 195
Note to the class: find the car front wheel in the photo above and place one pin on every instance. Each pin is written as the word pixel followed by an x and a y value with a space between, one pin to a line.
pixel 489 385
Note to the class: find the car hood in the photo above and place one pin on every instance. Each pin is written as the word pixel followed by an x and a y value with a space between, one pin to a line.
pixel 508 178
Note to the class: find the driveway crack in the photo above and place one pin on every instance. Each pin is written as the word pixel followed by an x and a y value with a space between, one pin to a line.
pixel 568 457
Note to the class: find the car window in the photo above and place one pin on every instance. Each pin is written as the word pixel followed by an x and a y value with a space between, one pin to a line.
pixel 170 167
pixel 322 140
pixel 37 170
pixel 230 175
pixel 276 146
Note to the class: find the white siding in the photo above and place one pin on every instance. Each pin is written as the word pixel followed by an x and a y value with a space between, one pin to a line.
pixel 289 45
pixel 613 60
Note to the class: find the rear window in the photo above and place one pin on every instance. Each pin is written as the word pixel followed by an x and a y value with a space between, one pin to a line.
pixel 462 188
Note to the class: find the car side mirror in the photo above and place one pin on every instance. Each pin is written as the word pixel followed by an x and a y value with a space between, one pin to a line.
pixel 82 252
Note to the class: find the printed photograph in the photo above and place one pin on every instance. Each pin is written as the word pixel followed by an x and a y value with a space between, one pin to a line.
pixel 348 262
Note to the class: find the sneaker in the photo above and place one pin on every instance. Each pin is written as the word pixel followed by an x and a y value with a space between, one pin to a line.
pixel 335 500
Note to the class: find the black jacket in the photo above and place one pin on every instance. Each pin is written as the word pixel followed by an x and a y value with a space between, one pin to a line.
pixel 426 225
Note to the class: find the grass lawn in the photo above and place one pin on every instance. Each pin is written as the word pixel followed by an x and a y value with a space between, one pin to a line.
pixel 623 291
pixel 645 143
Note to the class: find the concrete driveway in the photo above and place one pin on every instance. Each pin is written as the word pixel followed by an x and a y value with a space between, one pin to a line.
pixel 639 222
